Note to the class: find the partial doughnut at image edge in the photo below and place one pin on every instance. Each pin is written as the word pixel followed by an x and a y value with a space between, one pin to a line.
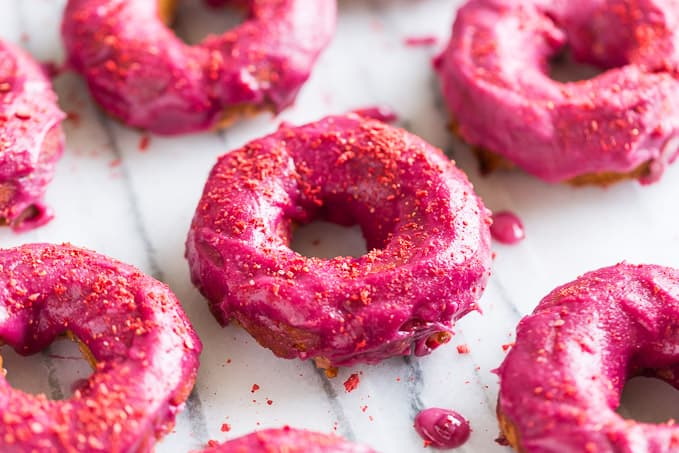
pixel 140 72
pixel 620 124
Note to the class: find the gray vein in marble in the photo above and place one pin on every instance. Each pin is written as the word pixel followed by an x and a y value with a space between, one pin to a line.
pixel 415 383
pixel 194 404
pixel 196 415
pixel 504 294
pixel 56 393
pixel 487 397
pixel 345 429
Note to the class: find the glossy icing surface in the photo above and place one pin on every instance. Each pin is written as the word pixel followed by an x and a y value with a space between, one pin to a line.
pixel 145 349
pixel 425 229
pixel 442 428
pixel 31 140
pixel 139 71
pixel 495 71
pixel 507 228
pixel 561 383
pixel 288 440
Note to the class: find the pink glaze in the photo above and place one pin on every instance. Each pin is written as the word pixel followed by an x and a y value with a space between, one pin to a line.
pixel 442 428
pixel 496 83
pixel 140 72
pixel 145 348
pixel 31 140
pixel 507 228
pixel 288 440
pixel 421 41
pixel 426 230
pixel 53 69
pixel 561 382
pixel 379 113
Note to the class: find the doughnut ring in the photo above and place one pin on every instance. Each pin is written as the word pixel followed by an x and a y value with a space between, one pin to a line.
pixel 31 139
pixel 131 327
pixel 620 124
pixel 141 73
pixel 426 231
pixel 561 383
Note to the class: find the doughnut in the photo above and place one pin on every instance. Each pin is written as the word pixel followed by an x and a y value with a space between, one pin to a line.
pixel 131 327
pixel 288 440
pixel 426 231
pixel 141 73
pixel 561 383
pixel 620 124
pixel 31 139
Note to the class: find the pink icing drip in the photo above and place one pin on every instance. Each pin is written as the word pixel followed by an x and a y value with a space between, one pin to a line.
pixel 442 428
pixel 53 69
pixel 42 215
pixel 507 228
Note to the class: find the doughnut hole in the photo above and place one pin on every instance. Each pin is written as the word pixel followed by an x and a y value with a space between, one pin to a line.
pixel 340 226
pixel 194 20
pixel 598 40
pixel 564 68
pixel 327 240
pixel 649 400
pixel 56 372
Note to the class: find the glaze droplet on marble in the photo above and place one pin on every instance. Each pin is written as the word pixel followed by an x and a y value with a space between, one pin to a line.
pixel 507 228
pixel 442 428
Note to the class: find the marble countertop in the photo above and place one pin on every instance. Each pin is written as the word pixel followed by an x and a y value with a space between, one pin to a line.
pixel 136 204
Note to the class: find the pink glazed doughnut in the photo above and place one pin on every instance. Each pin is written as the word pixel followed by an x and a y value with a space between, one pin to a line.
pixel 620 124
pixel 561 383
pixel 427 232
pixel 31 139
pixel 130 326
pixel 140 72
pixel 288 440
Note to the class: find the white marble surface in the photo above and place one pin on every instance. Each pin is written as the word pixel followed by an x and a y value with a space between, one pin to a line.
pixel 136 206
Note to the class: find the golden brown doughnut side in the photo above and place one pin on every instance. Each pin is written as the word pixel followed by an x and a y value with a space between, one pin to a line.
pixel 166 10
pixel 509 431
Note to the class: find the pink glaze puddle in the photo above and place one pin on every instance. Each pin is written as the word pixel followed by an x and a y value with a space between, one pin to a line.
pixel 379 113
pixel 442 428
pixel 507 228
pixel 421 41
